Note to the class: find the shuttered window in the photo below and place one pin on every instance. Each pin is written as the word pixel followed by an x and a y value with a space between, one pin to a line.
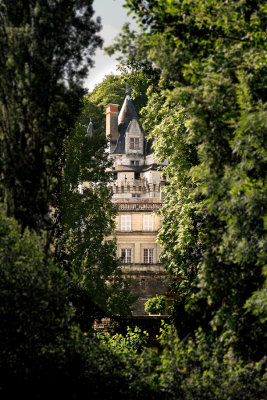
pixel 126 223
pixel 148 222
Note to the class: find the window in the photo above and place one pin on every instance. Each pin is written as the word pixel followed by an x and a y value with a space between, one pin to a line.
pixel 132 162
pixel 134 143
pixel 126 223
pixel 148 256
pixel 137 175
pixel 126 255
pixel 148 222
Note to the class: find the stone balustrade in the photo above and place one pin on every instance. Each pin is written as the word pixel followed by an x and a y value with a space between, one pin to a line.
pixel 138 206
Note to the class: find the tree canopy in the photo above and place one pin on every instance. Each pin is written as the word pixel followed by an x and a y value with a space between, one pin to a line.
pixel 46 49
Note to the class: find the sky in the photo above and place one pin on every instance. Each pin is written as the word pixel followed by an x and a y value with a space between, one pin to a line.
pixel 113 16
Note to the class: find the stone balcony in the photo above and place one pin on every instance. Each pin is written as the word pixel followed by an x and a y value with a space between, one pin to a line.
pixel 137 204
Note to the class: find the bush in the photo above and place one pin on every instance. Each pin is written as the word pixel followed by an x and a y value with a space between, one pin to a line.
pixel 156 305
pixel 42 349
pixel 200 368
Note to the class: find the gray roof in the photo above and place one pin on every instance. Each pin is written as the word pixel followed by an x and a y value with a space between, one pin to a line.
pixel 90 130
pixel 126 115
pixel 148 147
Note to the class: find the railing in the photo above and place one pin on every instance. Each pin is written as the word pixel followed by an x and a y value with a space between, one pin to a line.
pixel 139 206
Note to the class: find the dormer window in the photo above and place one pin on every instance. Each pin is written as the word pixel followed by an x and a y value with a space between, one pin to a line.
pixel 134 143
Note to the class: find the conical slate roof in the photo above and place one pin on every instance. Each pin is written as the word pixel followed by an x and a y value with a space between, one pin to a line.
pixel 126 115
pixel 90 129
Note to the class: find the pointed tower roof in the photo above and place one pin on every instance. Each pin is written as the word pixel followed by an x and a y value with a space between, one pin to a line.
pixel 90 130
pixel 126 115
pixel 127 111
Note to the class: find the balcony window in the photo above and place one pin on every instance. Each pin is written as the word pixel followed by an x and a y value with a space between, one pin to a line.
pixel 148 222
pixel 126 223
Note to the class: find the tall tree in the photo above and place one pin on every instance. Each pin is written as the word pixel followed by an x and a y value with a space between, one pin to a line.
pixel 88 218
pixel 46 49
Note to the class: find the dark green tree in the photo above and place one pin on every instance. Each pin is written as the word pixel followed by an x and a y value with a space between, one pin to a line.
pixel 132 50
pixel 88 219
pixel 43 351
pixel 46 49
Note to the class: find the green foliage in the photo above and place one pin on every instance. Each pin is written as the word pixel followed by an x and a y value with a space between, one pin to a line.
pixel 201 368
pixel 257 303
pixel 43 350
pixel 41 347
pixel 139 363
pixel 156 305
pixel 193 368
pixel 208 117
pixel 46 49
pixel 133 342
pixel 87 221
pixel 132 51
pixel 210 121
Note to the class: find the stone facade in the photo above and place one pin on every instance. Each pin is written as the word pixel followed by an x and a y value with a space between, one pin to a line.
pixel 137 190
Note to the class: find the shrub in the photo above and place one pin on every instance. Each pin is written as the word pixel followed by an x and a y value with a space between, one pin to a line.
pixel 156 305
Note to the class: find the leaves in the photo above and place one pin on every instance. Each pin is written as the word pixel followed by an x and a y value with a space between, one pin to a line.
pixel 88 218
pixel 208 118
pixel 46 49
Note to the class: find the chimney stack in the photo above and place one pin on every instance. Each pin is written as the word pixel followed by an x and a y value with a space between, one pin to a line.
pixel 112 125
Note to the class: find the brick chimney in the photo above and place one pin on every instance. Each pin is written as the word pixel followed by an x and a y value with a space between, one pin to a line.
pixel 112 125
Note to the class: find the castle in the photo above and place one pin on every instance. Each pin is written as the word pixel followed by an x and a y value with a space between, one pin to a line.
pixel 137 191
